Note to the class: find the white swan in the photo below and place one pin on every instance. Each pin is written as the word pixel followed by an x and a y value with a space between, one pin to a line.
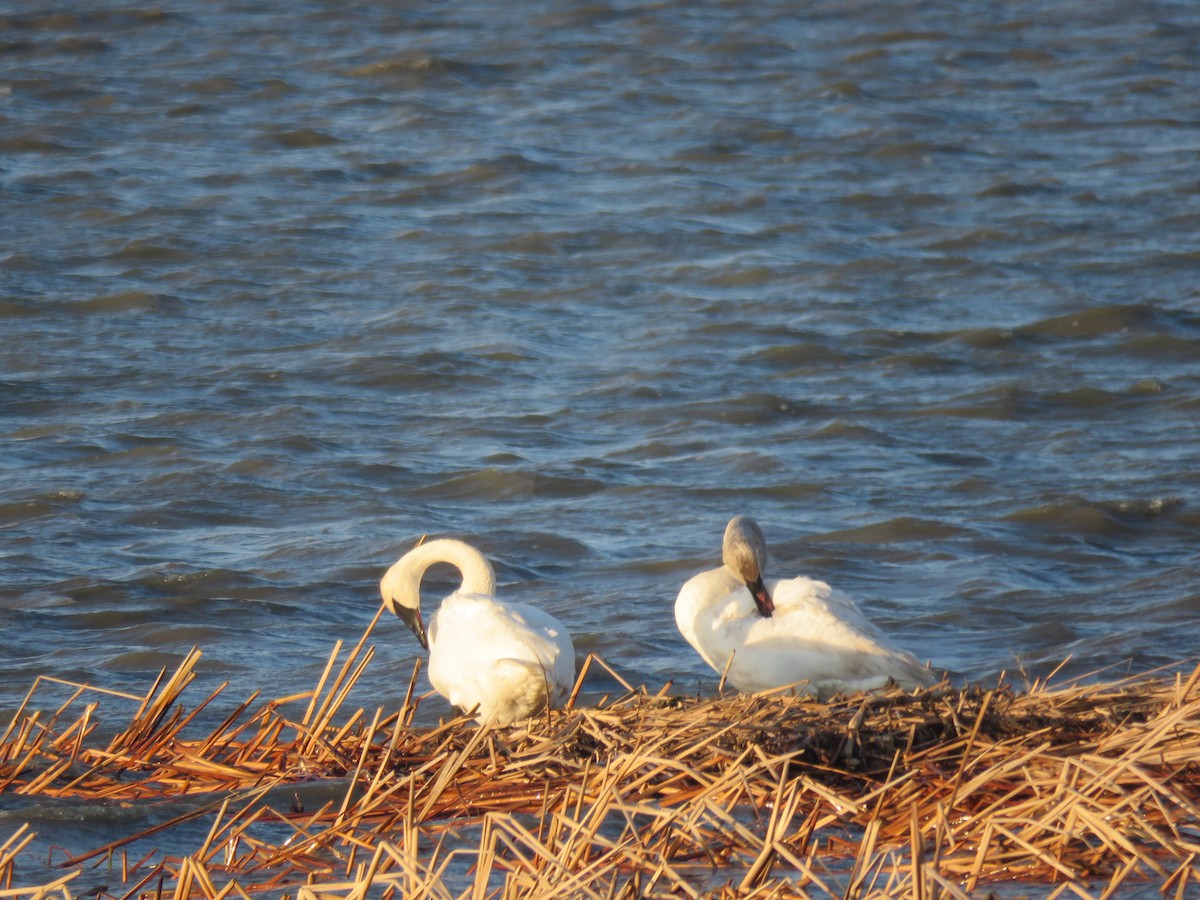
pixel 509 660
pixel 783 631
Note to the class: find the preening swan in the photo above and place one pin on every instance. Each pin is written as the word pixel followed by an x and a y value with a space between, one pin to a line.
pixel 508 659
pixel 782 631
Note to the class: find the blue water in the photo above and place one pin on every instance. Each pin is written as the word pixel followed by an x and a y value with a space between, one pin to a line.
pixel 283 290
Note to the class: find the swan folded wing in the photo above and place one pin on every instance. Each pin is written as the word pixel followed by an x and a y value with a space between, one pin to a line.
pixel 827 612
pixel 771 661
pixel 818 599
pixel 817 636
pixel 549 641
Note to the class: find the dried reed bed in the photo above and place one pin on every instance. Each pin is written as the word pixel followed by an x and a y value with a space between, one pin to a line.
pixel 1082 789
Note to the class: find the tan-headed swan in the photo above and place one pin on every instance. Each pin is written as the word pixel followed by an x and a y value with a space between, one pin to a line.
pixel 783 631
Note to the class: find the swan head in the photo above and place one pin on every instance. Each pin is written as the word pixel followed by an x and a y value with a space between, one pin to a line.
pixel 401 585
pixel 401 591
pixel 744 552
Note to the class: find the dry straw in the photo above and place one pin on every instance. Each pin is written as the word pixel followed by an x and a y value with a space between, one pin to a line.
pixel 1079 789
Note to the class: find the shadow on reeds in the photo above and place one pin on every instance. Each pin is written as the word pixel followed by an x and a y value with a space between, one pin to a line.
pixel 1080 788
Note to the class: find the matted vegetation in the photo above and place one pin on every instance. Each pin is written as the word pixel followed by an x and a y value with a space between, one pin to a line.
pixel 1077 789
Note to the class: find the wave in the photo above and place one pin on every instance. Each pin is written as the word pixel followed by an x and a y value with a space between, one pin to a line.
pixel 898 530
pixel 1084 518
pixel 504 484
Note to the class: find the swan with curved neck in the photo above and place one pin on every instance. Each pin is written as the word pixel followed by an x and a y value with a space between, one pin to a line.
pixel 766 633
pixel 506 661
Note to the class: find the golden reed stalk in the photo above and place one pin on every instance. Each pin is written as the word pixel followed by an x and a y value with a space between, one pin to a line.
pixel 1078 788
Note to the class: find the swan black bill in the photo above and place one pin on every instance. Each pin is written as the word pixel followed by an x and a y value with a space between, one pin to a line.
pixel 412 618
pixel 762 599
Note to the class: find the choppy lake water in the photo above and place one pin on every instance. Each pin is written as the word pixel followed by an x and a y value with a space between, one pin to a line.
pixel 281 291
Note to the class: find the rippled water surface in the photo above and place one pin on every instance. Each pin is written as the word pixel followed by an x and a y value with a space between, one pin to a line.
pixel 281 291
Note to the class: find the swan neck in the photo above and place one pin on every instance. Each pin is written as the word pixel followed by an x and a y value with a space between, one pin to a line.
pixel 477 574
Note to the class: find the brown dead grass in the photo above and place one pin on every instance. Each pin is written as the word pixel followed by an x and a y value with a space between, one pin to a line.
pixel 1077 789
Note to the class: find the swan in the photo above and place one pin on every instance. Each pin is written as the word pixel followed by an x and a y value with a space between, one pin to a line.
pixel 506 661
pixel 769 633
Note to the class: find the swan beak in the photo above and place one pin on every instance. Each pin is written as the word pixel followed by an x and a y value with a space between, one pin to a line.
pixel 762 599
pixel 412 618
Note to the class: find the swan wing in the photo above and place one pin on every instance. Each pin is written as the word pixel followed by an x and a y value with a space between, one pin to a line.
pixel 825 607
pixel 819 636
pixel 552 645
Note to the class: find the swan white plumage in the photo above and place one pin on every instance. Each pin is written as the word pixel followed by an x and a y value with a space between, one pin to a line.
pixel 783 631
pixel 507 660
